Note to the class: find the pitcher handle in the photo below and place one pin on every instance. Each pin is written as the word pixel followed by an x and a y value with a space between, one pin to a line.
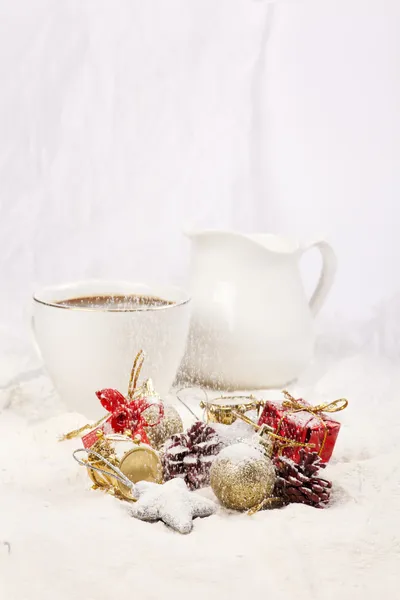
pixel 327 276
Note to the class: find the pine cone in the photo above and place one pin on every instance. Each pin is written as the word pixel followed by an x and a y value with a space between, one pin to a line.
pixel 189 455
pixel 299 482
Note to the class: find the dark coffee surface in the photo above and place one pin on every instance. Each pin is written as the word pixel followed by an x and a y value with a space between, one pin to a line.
pixel 115 302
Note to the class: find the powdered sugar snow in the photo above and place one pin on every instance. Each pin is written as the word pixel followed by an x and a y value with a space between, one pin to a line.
pixel 59 539
pixel 240 453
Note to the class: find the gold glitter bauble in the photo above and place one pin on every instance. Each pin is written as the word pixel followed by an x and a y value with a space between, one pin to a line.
pixel 242 477
pixel 170 424
pixel 106 449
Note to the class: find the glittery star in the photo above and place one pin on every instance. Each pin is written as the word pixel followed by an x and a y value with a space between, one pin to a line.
pixel 172 503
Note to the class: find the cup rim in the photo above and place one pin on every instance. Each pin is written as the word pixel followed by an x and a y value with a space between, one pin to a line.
pixel 56 304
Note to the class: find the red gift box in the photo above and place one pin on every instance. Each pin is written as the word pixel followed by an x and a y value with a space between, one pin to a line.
pixel 298 421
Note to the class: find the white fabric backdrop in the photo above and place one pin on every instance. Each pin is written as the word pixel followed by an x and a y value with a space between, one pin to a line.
pixel 121 122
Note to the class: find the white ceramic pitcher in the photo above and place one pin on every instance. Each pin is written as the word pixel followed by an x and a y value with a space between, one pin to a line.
pixel 252 325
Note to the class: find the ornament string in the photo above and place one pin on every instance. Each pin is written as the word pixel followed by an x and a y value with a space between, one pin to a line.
pixel 184 403
pixel 117 472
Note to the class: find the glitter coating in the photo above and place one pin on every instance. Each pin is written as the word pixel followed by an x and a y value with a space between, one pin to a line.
pixel 242 477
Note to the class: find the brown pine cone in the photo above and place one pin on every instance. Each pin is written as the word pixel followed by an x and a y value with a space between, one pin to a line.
pixel 189 455
pixel 299 482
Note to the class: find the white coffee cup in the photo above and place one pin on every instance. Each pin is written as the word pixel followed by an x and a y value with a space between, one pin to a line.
pixel 87 349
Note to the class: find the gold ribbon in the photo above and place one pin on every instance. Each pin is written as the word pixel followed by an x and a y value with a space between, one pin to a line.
pixel 329 407
pixel 135 373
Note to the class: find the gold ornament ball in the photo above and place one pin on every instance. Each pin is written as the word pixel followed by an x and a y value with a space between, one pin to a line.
pixel 242 477
pixel 170 424
pixel 104 447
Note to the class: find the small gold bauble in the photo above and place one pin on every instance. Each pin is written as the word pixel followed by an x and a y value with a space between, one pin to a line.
pixel 222 410
pixel 142 463
pixel 242 477
pixel 170 424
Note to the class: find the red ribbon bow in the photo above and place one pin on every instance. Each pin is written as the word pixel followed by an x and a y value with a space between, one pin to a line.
pixel 128 414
